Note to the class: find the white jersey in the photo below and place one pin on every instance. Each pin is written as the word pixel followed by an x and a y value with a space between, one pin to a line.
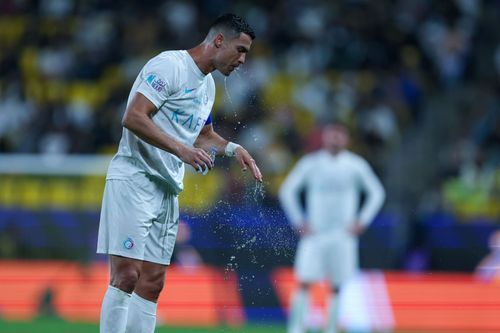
pixel 333 184
pixel 184 97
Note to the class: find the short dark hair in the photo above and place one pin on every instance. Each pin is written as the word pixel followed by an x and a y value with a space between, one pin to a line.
pixel 231 24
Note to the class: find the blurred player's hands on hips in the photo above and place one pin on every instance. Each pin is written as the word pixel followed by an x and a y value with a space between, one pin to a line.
pixel 356 228
pixel 304 229
pixel 246 161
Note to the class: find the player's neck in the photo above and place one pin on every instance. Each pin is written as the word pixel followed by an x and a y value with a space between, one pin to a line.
pixel 334 151
pixel 201 57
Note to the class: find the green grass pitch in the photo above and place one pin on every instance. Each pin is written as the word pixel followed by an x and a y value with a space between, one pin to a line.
pixel 59 326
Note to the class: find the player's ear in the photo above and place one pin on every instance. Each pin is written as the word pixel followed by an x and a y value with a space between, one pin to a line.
pixel 218 40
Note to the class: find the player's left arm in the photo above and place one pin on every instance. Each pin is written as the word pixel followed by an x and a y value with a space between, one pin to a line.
pixel 375 196
pixel 209 140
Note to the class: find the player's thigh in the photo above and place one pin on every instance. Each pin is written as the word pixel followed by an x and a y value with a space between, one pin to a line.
pixel 152 273
pixel 308 265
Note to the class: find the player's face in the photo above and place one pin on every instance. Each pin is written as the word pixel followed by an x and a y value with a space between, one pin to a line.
pixel 232 53
pixel 335 137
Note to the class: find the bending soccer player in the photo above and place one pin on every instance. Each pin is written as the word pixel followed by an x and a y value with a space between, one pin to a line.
pixel 333 179
pixel 167 124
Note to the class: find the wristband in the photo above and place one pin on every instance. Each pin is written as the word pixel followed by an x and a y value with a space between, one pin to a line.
pixel 230 149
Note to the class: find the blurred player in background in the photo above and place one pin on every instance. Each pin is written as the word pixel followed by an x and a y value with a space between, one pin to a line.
pixel 489 267
pixel 185 255
pixel 167 123
pixel 333 179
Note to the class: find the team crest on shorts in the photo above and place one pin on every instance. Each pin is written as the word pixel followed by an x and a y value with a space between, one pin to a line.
pixel 128 243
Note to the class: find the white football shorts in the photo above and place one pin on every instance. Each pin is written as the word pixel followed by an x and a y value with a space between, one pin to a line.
pixel 139 219
pixel 328 256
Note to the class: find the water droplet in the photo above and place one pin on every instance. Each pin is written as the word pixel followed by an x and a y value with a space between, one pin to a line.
pixel 229 97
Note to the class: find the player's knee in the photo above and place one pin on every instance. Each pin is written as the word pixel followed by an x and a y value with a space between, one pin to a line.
pixel 149 290
pixel 156 282
pixel 151 285
pixel 157 287
pixel 125 280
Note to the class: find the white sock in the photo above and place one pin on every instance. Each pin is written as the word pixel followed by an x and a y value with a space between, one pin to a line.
pixel 333 315
pixel 114 311
pixel 297 312
pixel 141 315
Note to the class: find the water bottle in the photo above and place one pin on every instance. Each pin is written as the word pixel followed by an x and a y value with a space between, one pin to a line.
pixel 212 152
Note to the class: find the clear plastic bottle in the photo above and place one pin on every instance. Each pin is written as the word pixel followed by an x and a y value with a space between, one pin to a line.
pixel 212 152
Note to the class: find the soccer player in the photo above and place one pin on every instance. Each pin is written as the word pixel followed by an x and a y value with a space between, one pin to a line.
pixel 167 124
pixel 332 179
pixel 488 268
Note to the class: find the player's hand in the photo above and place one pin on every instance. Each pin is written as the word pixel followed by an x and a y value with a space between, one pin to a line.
pixel 356 228
pixel 197 158
pixel 246 161
pixel 303 230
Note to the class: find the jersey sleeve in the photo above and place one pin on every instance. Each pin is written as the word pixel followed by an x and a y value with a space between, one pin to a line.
pixel 289 193
pixel 159 79
pixel 211 89
pixel 375 194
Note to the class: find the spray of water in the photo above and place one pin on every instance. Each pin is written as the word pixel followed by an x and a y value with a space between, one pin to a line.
pixel 259 192
pixel 250 241
pixel 231 266
pixel 230 100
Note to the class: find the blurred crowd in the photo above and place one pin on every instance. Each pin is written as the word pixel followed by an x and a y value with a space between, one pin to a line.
pixel 417 81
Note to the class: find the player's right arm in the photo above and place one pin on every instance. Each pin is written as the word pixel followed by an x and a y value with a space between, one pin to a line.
pixel 138 120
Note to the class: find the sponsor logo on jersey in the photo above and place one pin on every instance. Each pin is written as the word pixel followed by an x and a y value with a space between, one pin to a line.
pixel 187 91
pixel 186 120
pixel 155 82
pixel 128 243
